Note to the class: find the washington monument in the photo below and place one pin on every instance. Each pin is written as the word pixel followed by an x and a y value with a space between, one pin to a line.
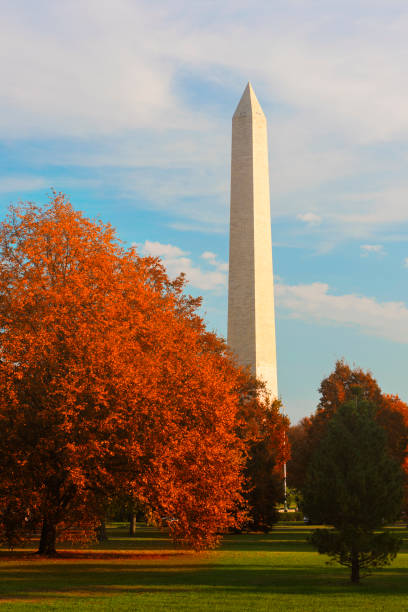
pixel 251 311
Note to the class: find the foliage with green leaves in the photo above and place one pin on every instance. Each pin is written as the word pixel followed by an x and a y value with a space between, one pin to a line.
pixel 374 549
pixel 354 485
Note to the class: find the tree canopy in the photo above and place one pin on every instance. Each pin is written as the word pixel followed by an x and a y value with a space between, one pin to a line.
pixel 354 485
pixel 263 427
pixel 339 387
pixel 109 381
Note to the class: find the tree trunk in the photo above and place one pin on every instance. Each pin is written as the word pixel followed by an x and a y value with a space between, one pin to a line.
pixel 132 524
pixel 355 568
pixel 101 534
pixel 48 538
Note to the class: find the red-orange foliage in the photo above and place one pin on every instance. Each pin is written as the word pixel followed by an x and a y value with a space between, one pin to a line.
pixel 264 469
pixel 263 427
pixel 259 414
pixel 393 417
pixel 109 381
pixel 301 450
pixel 339 387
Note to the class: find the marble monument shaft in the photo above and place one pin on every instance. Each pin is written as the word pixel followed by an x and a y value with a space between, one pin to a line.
pixel 251 312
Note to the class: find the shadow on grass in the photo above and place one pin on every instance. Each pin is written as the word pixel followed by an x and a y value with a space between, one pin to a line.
pixel 150 571
pixel 63 580
pixel 280 539
pixel 149 539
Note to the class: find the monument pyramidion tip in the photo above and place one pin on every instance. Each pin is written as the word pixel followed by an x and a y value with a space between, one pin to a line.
pixel 248 104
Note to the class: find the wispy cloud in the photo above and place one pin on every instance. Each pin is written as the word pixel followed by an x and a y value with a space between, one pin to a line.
pixel 310 302
pixel 310 218
pixel 367 249
pixel 211 258
pixel 10 184
pixel 177 261
pixel 314 303
pixel 146 87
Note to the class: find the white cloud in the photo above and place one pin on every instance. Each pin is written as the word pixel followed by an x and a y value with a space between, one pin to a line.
pixel 314 303
pixel 218 227
pixel 366 210
pixel 135 76
pixel 177 261
pixel 165 251
pixel 209 255
pixel 99 66
pixel 310 218
pixel 211 258
pixel 366 249
pixel 10 184
pixel 87 67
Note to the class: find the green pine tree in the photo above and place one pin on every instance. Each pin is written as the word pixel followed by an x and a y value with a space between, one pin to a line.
pixel 355 486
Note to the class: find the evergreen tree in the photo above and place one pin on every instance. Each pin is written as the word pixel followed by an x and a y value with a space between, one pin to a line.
pixel 336 389
pixel 354 485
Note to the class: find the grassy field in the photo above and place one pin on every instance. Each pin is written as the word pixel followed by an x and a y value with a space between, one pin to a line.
pixel 278 571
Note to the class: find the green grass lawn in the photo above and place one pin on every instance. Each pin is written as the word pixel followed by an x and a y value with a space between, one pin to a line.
pixel 277 571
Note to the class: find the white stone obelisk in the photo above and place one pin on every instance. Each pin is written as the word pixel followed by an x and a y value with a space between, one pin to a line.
pixel 251 310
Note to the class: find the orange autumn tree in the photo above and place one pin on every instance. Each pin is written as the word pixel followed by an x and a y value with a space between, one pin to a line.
pixel 336 389
pixel 263 427
pixel 393 417
pixel 302 448
pixel 109 382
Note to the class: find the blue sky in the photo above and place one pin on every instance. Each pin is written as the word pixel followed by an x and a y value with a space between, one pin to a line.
pixel 126 106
